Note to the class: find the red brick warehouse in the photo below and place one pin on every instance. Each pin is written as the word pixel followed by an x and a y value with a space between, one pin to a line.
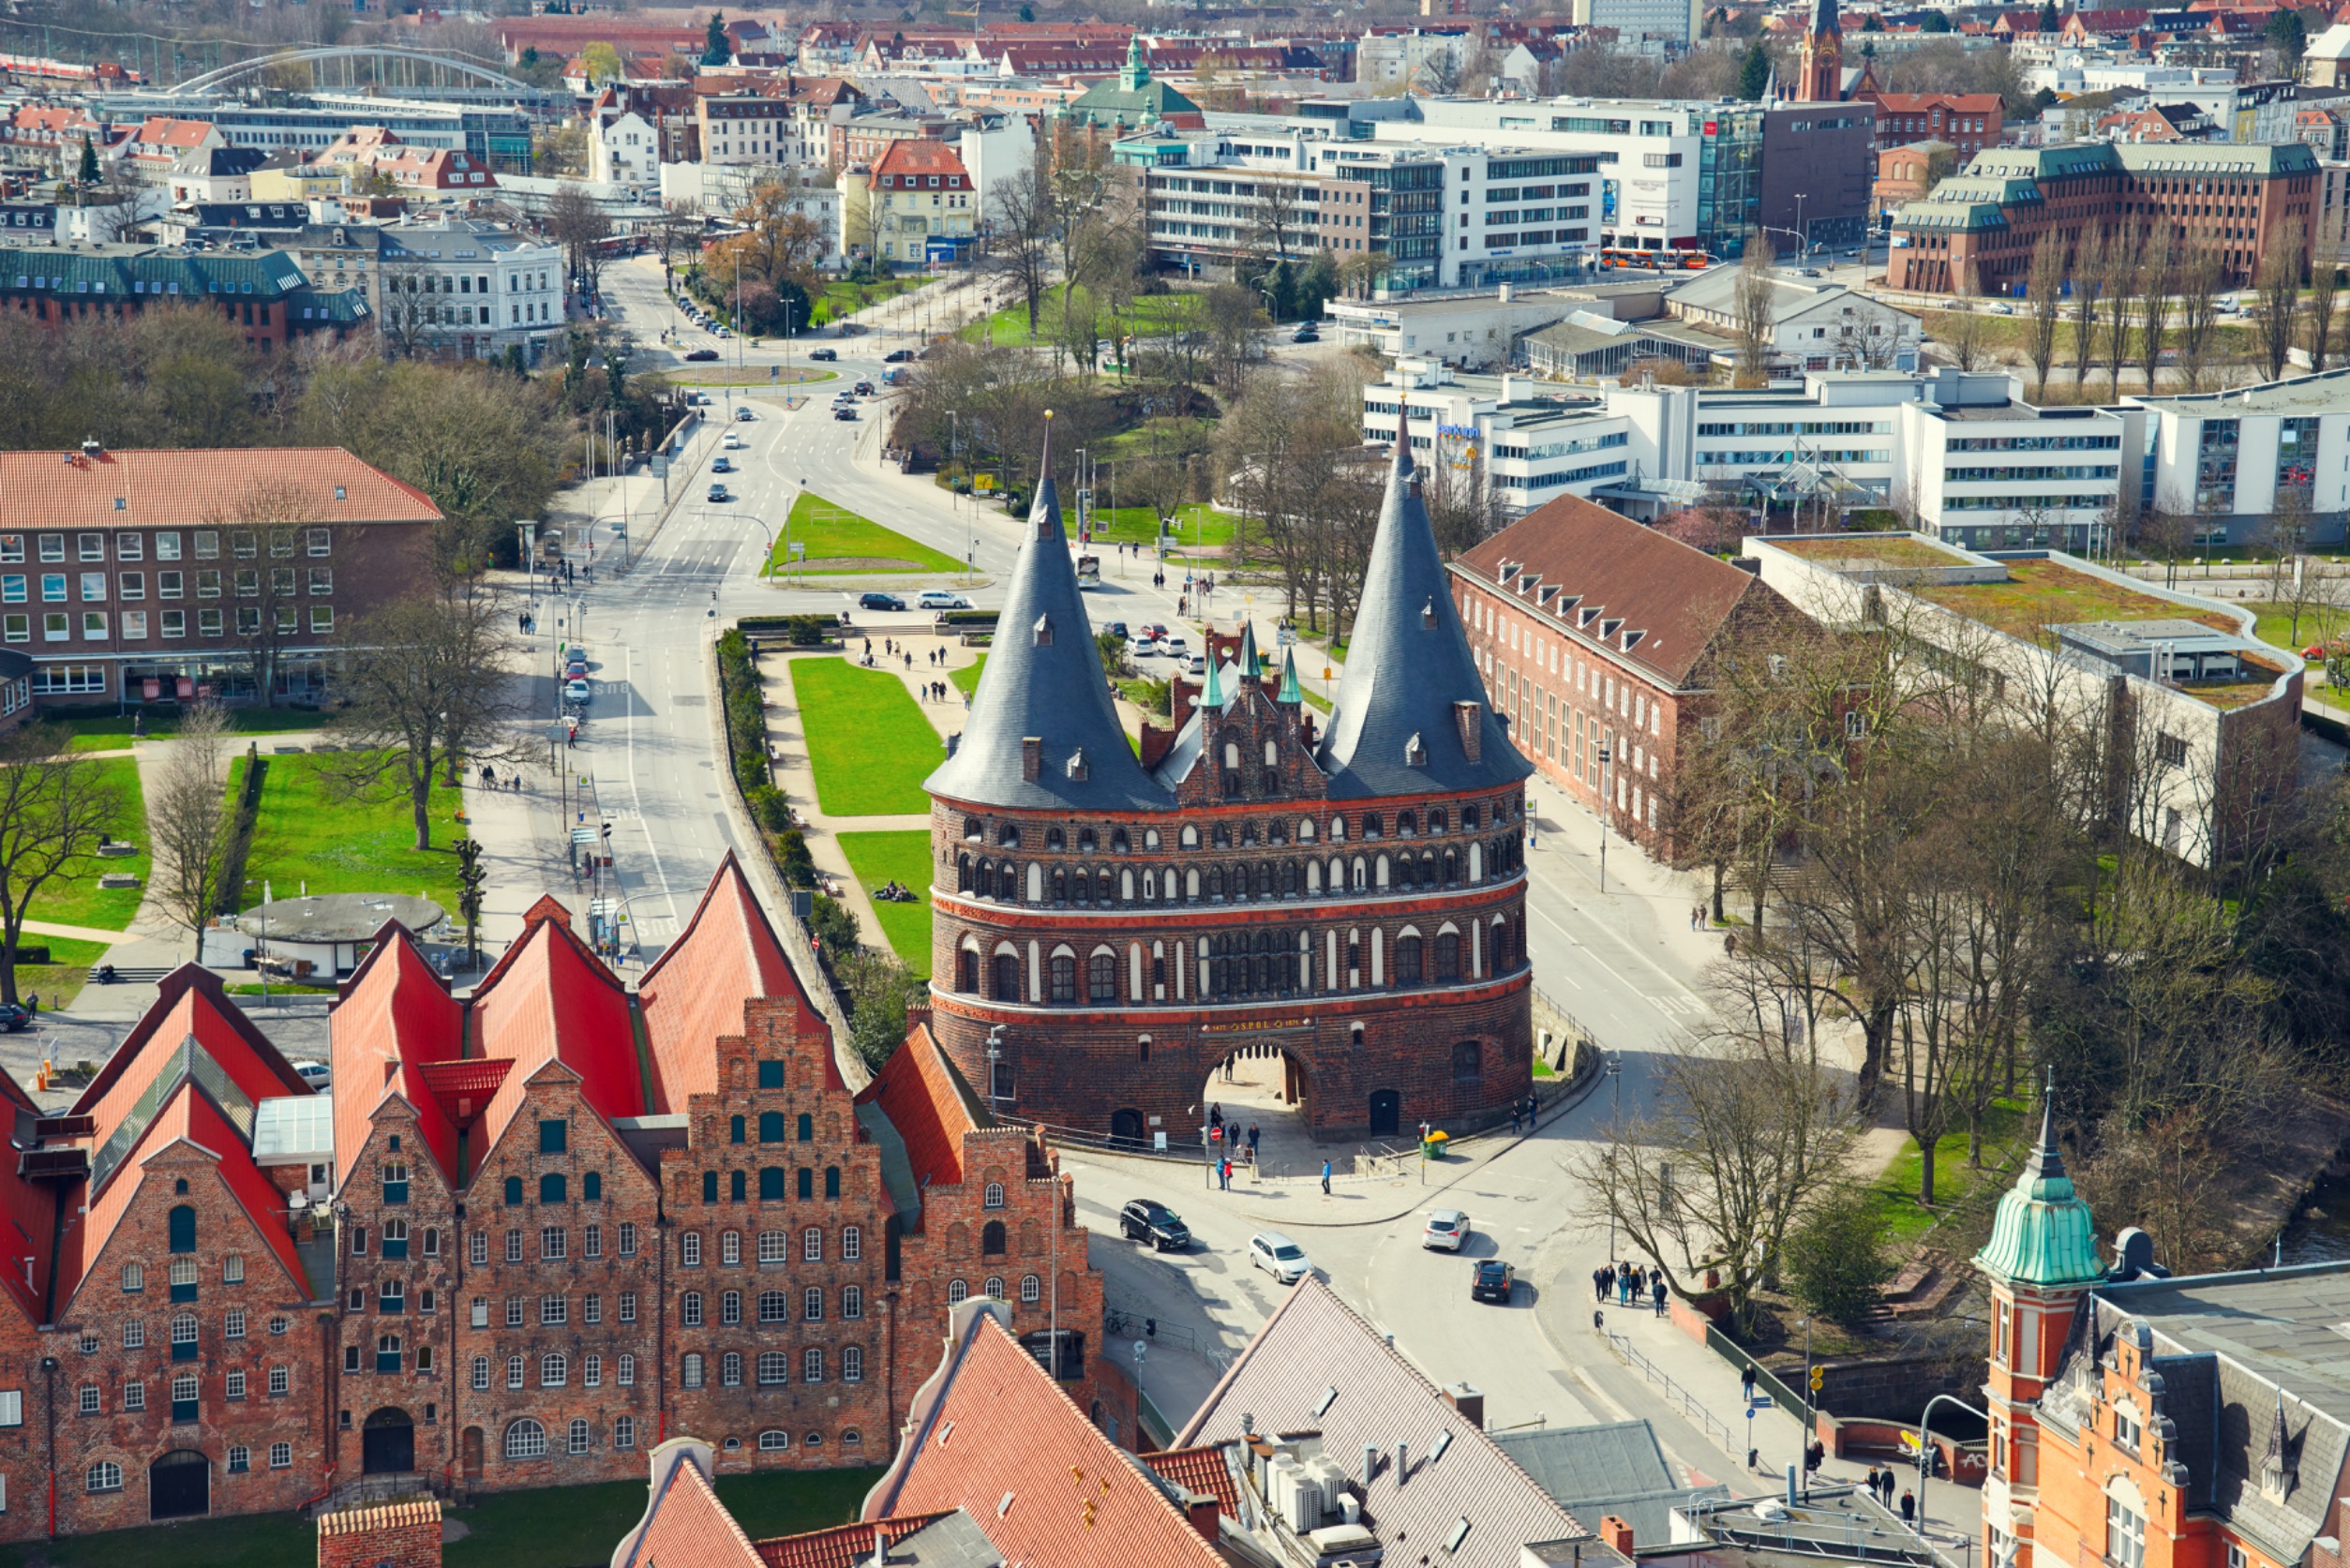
pixel 1109 929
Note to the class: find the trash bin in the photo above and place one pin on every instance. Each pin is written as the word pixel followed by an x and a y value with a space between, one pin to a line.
pixel 1433 1144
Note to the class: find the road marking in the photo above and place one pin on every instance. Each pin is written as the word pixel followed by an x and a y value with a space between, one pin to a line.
pixel 636 797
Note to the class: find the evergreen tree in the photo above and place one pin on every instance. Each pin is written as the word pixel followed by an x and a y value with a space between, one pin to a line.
pixel 1935 23
pixel 2049 19
pixel 716 50
pixel 1753 74
pixel 88 173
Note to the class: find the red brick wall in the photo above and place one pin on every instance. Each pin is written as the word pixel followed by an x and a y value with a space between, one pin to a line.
pixel 396 1535
pixel 279 1333
pixel 428 1309
pixel 584 1286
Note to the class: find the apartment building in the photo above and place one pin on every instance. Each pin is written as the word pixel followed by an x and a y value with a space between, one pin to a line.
pixel 624 150
pixel 1648 27
pixel 915 206
pixel 135 576
pixel 1967 121
pixel 468 290
pixel 261 292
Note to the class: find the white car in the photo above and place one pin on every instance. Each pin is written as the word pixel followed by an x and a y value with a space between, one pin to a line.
pixel 1175 648
pixel 1446 1228
pixel 1144 648
pixel 1198 665
pixel 316 1074
pixel 733 443
pixel 1279 1256
pixel 939 599
pixel 578 690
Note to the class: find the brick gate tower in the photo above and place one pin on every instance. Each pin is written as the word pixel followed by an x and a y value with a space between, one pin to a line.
pixel 1108 928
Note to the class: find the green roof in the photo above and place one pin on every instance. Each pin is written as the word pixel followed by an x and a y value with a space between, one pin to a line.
pixel 2043 1234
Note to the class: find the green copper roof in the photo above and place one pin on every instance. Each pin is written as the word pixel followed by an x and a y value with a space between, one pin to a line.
pixel 2043 1235
pixel 1212 689
pixel 1290 691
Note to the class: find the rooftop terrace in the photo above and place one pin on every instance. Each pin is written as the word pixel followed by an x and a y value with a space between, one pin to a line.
pixel 1839 550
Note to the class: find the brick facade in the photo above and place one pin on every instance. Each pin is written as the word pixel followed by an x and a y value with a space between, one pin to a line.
pixel 396 1535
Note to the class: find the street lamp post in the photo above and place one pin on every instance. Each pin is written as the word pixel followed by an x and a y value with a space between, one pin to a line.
pixel 1615 1080
pixel 1607 754
pixel 1926 1446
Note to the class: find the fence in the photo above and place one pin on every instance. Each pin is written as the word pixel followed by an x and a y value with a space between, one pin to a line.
pixel 1119 1324
pixel 1679 1398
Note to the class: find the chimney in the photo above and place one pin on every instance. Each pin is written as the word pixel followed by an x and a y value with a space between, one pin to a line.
pixel 1509 293
pixel 1403 1462
pixel 1371 1465
pixel 1470 717
pixel 1031 757
pixel 1201 1508
pixel 1469 1401
pixel 1509 387
pixel 92 447
pixel 396 1535
pixel 1613 1530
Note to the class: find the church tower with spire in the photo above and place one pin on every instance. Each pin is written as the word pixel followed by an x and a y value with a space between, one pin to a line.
pixel 1111 923
pixel 1821 78
pixel 2041 1260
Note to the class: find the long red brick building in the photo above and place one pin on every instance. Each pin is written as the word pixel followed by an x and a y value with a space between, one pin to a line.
pixel 1108 928
pixel 537 1231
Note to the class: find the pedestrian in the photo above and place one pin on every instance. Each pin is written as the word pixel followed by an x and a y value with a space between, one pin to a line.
pixel 1252 1142
pixel 1746 1391
pixel 1730 944
pixel 1656 1293
pixel 1908 1508
pixel 1215 1114
pixel 1656 1278
pixel 1623 1284
pixel 1695 912
pixel 1885 1486
pixel 1227 1174
pixel 489 777
pixel 1514 1108
pixel 909 658
pixel 1600 1278
pixel 1871 1483
pixel 1325 1178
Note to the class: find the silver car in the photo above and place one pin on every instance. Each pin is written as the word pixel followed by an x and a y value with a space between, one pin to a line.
pixel 1446 1228
pixel 1279 1256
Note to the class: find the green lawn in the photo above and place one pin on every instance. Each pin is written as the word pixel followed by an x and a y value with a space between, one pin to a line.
pixel 550 1528
pixel 877 857
pixel 868 742
pixel 113 732
pixel 81 902
pixel 1198 525
pixel 1894 1193
pixel 60 981
pixel 1009 327
pixel 843 298
pixel 838 538
pixel 967 679
pixel 2319 624
pixel 309 837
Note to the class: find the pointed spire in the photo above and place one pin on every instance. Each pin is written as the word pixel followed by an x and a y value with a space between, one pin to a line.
pixel 1212 690
pixel 1290 691
pixel 1400 472
pixel 2047 1159
pixel 2278 1437
pixel 1246 659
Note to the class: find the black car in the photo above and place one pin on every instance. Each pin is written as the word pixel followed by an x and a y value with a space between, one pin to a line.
pixel 1305 335
pixel 845 412
pixel 703 354
pixel 825 355
pixel 1156 1223
pixel 863 389
pixel 14 1016
pixel 880 602
pixel 1489 1280
pixel 898 356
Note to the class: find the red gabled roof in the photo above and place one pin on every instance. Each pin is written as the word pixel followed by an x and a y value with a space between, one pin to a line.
pixel 188 1001
pixel 1202 1471
pixel 550 999
pixel 918 157
pixel 394 1018
pixel 694 991
pixel 920 1092
pixel 1000 1428
pixel 841 1547
pixel 686 1525
pixel 171 488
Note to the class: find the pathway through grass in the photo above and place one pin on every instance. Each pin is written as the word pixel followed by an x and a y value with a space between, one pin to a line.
pixel 868 742
pixel 1894 1193
pixel 311 836
pixel 80 901
pixel 839 542
pixel 904 857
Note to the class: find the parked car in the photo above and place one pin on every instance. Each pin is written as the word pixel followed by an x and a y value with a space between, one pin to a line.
pixel 721 332
pixel 318 1075
pixel 1446 1228
pixel 1160 1226
pixel 1492 1279
pixel 1175 645
pixel 703 354
pixel 1144 648
pixel 14 1016
pixel 897 357
pixel 941 599
pixel 824 355
pixel 1279 1256
pixel 1196 664
pixel 880 602
pixel 718 492
pixel 721 464
pixel 744 414
pixel 1154 630
pixel 578 690
pixel 1305 335
pixel 1115 628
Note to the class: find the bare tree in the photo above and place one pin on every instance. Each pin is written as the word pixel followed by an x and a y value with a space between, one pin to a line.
pixel 188 813
pixel 408 311
pixel 427 680
pixel 264 532
pixel 578 223
pixel 2158 281
pixel 1964 339
pixel 2325 291
pixel 2045 290
pixel 2088 285
pixel 1277 222
pixel 1019 245
pixel 2124 272
pixel 2199 279
pixel 2278 307
pixel 56 807
pixel 1756 302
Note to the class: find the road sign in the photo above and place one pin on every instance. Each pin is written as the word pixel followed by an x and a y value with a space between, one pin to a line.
pixel 583 835
pixel 1759 1402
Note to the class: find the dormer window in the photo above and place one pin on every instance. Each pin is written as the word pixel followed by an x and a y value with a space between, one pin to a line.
pixel 1414 753
pixel 1427 616
pixel 1078 769
pixel 1043 630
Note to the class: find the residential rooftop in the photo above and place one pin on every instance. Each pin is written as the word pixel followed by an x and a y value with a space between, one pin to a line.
pixel 2326 389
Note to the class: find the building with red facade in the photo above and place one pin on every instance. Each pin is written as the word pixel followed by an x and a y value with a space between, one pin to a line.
pixel 1967 121
pixel 1107 928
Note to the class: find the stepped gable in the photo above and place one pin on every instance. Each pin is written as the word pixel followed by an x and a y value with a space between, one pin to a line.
pixel 1399 725
pixel 395 1021
pixel 1044 682
pixel 549 999
pixel 695 992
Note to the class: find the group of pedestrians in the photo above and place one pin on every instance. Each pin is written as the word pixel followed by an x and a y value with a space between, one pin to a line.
pixel 512 781
pixel 1880 1484
pixel 1633 1285
pixel 934 690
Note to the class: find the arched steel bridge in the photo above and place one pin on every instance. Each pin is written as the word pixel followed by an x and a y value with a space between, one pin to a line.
pixel 422 70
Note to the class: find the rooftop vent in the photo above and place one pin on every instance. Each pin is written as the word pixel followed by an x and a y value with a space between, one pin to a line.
pixel 93 447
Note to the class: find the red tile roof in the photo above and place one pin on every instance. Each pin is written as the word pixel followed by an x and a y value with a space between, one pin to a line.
pixel 1678 598
pixel 170 489
pixel 550 999
pixel 1201 1470
pixel 686 1525
pixel 1004 1444
pixel 842 1546
pixel 924 1099
pixel 694 991
pixel 919 156
pixel 394 1019
pixel 188 1001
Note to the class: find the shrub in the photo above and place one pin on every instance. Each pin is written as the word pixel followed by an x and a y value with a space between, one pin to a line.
pixel 792 857
pixel 1835 1259
pixel 769 807
pixel 832 924
pixel 880 991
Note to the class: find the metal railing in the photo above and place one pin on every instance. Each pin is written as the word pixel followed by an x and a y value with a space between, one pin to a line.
pixel 1809 1535
pixel 1729 1350
pixel 1679 1398
pixel 1121 1323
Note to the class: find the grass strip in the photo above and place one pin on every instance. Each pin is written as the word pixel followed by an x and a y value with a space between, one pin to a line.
pixel 309 837
pixel 868 742
pixel 80 901
pixel 878 857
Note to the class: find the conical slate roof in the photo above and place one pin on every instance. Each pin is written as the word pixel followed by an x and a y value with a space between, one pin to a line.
pixel 1044 679
pixel 1395 729
pixel 2042 1234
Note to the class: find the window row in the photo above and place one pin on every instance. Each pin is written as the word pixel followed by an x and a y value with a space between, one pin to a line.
pixel 527 1440
pixel 772 1184
pixel 89 1399
pixel 554 1188
pixel 1031 1289
pixel 553 1311
pixel 394 1239
pixel 1032 882
pixel 554 1371
pixel 770 1368
pixel 181 1273
pixel 554 1244
pixel 202 544
pixel 771 1123
pixel 168 625
pixel 774 1247
pixel 1264 963
pixel 1226 834
pixel 774 1307
pixel 92 587
pixel 107 1476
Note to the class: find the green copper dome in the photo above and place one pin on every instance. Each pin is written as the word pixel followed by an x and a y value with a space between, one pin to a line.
pixel 2043 1235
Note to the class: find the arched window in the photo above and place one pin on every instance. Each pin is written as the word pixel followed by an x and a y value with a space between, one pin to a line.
pixel 1007 882
pixel 1468 1060
pixel 527 1440
pixel 551 1188
pixel 730 1370
pixel 730 1245
pixel 991 1239
pixel 1064 978
pixel 1102 885
pixel 554 1369
pixel 957 1290
pixel 1436 820
pixel 182 1225
pixel 1407 960
pixel 184 1329
pixel 1101 982
pixel 1006 977
pixel 1031 1289
pixel 1407 872
pixel 578 1444
pixel 770 1127
pixel 1190 836
pixel 1448 955
pixel 806 1182
pixel 1060 885
pixel 962 873
pixel 967 974
pixel 1406 824
pixel 774 1306
pixel 689 1372
pixel 806 1127
pixel 992 1197
pixel 973 832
